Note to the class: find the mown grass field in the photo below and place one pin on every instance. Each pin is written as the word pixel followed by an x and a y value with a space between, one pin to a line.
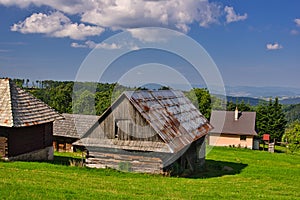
pixel 256 175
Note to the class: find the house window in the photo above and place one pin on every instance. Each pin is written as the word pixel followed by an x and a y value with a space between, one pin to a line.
pixel 243 137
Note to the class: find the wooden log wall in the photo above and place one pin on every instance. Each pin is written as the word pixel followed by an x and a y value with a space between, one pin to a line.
pixel 124 162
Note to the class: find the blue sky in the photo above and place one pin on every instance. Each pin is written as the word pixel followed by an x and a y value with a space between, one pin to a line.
pixel 253 43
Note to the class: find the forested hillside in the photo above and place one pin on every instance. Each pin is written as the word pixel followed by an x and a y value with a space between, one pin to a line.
pixel 292 112
pixel 95 98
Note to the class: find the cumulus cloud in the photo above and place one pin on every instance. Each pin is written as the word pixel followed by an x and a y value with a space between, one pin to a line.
pixel 297 21
pixel 57 25
pixel 177 14
pixel 120 15
pixel 274 46
pixel 231 15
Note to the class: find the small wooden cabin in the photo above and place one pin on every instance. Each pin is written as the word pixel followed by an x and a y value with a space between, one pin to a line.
pixel 70 129
pixel 148 131
pixel 232 128
pixel 26 125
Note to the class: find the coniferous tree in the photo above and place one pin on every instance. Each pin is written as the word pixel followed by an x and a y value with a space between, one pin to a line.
pixel 270 119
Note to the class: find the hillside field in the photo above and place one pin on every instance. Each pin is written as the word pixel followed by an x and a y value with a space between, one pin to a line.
pixel 255 175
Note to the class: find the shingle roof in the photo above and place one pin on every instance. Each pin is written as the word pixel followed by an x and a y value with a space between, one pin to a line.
pixel 224 122
pixel 177 121
pixel 74 125
pixel 19 108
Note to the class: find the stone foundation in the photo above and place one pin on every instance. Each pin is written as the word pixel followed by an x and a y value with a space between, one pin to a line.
pixel 39 155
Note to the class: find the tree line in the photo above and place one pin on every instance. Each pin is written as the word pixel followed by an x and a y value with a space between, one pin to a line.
pixel 95 98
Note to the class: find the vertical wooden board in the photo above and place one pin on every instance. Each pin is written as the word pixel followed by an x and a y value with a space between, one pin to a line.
pixel 48 134
pixel 3 147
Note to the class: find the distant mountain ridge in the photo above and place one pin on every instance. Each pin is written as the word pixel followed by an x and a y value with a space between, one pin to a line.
pixel 291 100
pixel 248 100
pixel 255 101
pixel 262 92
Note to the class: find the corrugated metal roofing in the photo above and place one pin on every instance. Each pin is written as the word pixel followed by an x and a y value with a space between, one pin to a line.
pixel 19 108
pixel 177 121
pixel 74 125
pixel 245 125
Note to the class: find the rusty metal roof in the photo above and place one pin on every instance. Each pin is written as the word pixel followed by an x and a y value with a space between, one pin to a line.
pixel 244 125
pixel 74 125
pixel 172 115
pixel 19 108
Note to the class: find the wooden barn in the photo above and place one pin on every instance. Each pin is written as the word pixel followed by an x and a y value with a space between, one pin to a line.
pixel 70 129
pixel 26 125
pixel 232 128
pixel 148 131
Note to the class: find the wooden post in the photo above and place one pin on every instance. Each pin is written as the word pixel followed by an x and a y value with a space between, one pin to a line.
pixel 271 147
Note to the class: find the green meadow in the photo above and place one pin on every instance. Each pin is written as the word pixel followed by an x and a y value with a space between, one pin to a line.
pixel 230 173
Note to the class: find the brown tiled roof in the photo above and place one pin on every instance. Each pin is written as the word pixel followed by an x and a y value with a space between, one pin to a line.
pixel 19 108
pixel 74 125
pixel 224 122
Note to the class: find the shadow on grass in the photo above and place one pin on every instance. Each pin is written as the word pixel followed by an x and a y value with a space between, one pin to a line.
pixel 215 168
pixel 66 161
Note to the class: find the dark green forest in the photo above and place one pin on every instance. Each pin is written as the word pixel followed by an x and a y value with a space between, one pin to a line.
pixel 95 98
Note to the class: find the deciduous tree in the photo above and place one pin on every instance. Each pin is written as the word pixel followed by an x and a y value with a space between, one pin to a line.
pixel 292 136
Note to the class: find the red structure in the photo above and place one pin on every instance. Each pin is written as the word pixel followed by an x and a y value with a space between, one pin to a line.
pixel 266 137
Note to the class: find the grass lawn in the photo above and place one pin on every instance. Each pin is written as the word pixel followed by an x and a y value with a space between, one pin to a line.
pixel 255 175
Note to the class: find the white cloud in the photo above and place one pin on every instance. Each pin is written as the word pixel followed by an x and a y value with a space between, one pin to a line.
pixel 151 35
pixel 177 14
pixel 4 50
pixel 66 6
pixel 297 21
pixel 294 32
pixel 120 15
pixel 57 25
pixel 77 45
pixel 231 16
pixel 274 46
pixel 91 44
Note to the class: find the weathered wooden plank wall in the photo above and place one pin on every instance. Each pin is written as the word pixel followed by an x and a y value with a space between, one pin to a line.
pixel 134 163
pixel 126 123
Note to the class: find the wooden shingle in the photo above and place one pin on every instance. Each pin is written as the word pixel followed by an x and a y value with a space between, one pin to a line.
pixel 18 108
pixel 74 125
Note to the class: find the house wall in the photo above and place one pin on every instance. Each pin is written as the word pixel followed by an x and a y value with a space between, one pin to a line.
pixel 125 161
pixel 63 144
pixel 126 123
pixel 191 159
pixel 23 140
pixel 230 139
